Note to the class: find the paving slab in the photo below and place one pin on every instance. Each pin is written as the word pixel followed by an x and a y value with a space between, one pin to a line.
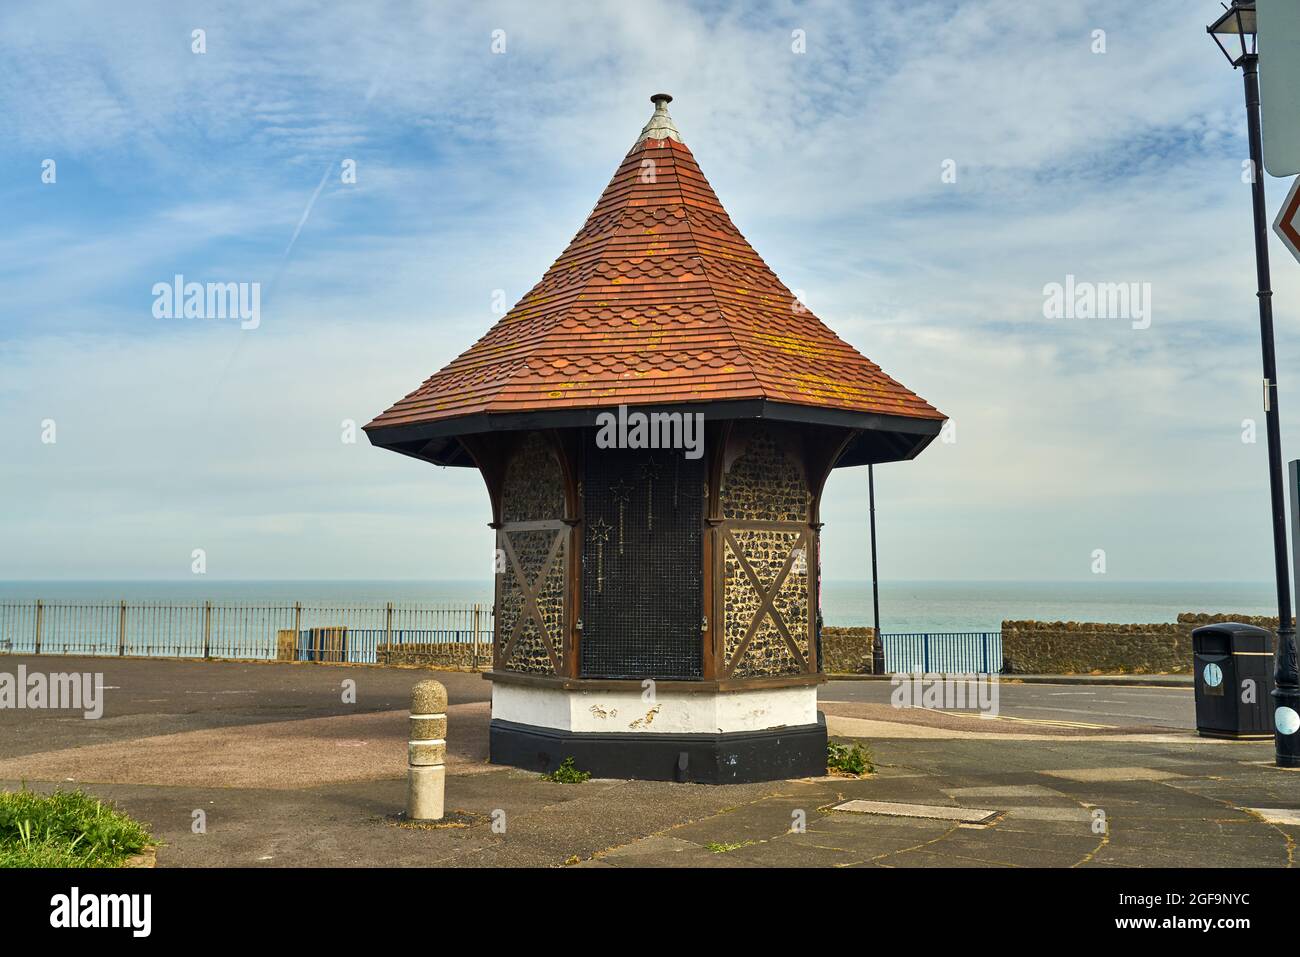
pixel 1092 775
pixel 930 858
pixel 1081 814
pixel 936 812
pixel 794 850
pixel 1277 815
pixel 1005 791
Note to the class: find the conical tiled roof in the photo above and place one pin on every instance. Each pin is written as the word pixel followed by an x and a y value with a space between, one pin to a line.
pixel 658 299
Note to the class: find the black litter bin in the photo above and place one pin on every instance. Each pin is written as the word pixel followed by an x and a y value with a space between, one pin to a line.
pixel 1234 680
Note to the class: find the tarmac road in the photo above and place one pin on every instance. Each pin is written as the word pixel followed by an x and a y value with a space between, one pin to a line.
pixel 144 697
pixel 1106 705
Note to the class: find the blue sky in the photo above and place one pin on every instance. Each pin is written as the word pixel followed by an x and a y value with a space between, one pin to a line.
pixel 475 169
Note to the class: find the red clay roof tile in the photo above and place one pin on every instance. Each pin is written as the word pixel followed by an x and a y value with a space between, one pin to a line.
pixel 657 299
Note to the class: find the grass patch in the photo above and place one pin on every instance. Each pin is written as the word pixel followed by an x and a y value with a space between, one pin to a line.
pixel 848 760
pixel 566 773
pixel 65 829
pixel 721 847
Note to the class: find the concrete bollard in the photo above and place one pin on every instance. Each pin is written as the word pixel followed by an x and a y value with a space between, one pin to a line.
pixel 427 752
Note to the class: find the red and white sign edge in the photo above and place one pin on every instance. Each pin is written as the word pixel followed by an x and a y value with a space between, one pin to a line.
pixel 1287 224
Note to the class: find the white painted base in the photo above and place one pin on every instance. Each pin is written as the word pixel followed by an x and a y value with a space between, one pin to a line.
pixel 671 712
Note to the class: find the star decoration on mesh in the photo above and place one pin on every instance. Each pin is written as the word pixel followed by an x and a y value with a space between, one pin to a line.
pixel 621 492
pixel 598 531
pixel 650 470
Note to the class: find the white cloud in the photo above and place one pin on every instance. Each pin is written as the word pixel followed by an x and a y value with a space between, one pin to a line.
pixel 475 170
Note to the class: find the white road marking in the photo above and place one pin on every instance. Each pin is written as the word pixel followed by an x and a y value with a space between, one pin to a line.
pixel 253 691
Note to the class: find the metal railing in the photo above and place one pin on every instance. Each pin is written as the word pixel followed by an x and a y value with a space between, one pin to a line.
pixel 351 632
pixel 314 631
pixel 951 652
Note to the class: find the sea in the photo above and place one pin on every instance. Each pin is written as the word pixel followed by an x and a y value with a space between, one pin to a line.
pixel 905 606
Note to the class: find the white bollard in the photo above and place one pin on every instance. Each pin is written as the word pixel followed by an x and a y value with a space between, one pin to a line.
pixel 426 752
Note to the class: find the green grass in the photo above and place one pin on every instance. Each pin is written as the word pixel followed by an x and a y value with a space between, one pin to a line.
pixel 721 847
pixel 65 829
pixel 850 760
pixel 566 773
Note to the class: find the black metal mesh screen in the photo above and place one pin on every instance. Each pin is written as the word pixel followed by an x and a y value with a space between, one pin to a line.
pixel 642 591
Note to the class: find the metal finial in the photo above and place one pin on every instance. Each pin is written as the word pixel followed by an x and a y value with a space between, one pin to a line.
pixel 661 125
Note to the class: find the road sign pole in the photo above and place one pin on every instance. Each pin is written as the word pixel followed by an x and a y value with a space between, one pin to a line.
pixel 1286 693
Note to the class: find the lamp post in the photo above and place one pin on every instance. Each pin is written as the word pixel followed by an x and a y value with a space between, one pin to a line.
pixel 1237 27
pixel 877 646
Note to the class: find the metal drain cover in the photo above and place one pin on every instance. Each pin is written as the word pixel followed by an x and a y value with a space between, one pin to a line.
pixel 964 815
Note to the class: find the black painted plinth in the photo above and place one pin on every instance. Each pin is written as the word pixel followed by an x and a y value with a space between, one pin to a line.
pixel 735 758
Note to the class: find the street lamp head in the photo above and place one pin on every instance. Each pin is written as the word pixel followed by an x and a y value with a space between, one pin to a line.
pixel 1237 27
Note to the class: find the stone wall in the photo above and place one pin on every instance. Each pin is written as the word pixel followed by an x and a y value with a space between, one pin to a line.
pixel 532 492
pixel 765 506
pixel 458 655
pixel 1079 647
pixel 847 651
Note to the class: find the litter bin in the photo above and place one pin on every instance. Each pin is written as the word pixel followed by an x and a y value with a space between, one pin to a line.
pixel 1234 680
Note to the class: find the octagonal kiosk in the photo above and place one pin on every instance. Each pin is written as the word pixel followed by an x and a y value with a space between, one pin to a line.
pixel 654 422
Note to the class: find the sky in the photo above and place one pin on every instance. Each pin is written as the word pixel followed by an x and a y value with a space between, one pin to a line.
pixel 481 134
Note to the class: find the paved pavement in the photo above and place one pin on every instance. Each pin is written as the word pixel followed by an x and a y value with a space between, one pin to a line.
pixel 287 773
pixel 1049 805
